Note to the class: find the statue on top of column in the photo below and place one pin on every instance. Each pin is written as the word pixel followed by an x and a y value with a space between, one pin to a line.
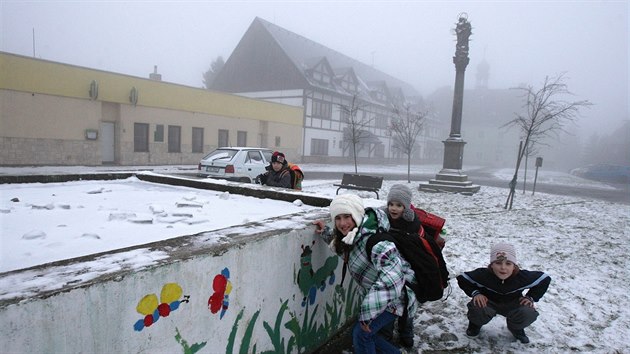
pixel 463 31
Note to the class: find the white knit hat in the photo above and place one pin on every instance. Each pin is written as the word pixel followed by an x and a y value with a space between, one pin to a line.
pixel 402 194
pixel 503 250
pixel 348 204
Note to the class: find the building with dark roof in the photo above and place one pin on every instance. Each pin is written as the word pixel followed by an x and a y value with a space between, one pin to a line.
pixel 275 64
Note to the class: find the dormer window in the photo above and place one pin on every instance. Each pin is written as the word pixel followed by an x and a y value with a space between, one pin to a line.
pixel 348 80
pixel 321 73
pixel 379 95
pixel 322 77
pixel 348 85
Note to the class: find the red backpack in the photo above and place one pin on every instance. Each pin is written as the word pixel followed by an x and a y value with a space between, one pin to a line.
pixel 432 225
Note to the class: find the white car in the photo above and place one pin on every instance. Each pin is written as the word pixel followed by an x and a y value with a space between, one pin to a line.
pixel 240 164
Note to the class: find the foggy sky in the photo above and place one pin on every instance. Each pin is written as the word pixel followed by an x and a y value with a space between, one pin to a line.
pixel 412 40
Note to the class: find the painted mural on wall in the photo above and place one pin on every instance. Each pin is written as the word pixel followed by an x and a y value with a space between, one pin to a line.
pixel 305 333
pixel 220 299
pixel 310 280
pixel 152 309
pixel 188 349
pixel 289 332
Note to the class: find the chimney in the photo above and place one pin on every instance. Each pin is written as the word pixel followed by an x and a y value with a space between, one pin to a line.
pixel 155 76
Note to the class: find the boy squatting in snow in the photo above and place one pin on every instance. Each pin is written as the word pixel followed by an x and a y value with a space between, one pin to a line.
pixel 381 277
pixel 498 289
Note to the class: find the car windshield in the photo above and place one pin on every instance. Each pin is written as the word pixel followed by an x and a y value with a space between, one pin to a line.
pixel 220 155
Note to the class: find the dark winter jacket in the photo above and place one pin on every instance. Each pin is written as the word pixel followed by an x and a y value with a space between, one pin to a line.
pixel 408 227
pixel 483 281
pixel 272 178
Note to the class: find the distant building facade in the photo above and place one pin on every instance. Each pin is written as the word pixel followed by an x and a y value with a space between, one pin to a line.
pixel 274 64
pixel 484 113
pixel 58 114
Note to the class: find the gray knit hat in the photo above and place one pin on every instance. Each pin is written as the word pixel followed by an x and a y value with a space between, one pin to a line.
pixel 402 194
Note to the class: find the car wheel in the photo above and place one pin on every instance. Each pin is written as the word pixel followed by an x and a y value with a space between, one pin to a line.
pixel 244 180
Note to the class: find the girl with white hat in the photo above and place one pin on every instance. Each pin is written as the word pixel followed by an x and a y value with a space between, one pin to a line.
pixel 381 277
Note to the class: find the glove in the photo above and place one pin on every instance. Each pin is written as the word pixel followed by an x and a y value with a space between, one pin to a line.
pixel 261 179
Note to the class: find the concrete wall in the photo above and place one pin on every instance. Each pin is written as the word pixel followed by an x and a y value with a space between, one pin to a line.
pixel 265 286
pixel 46 110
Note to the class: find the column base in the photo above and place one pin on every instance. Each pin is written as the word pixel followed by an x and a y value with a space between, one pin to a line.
pixel 452 181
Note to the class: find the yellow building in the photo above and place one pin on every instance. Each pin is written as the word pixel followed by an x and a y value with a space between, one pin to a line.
pixel 58 114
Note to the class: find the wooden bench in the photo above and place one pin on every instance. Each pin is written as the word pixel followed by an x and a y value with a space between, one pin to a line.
pixel 360 182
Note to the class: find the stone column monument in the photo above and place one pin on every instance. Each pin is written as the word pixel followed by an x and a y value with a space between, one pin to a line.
pixel 451 178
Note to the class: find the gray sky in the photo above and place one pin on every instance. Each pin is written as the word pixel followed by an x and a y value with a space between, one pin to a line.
pixel 413 40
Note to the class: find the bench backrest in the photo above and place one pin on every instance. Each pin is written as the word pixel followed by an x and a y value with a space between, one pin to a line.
pixel 362 180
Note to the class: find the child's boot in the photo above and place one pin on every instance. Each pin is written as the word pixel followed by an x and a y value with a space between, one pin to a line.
pixel 473 330
pixel 520 335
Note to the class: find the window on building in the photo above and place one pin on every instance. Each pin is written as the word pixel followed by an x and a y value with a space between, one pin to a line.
pixel 379 151
pixel 379 95
pixel 277 141
pixel 174 138
pixel 322 109
pixel 319 147
pixel 197 139
pixel 140 137
pixel 224 137
pixel 158 135
pixel 241 138
pixel 381 121
pixel 321 76
pixel 322 73
pixel 349 85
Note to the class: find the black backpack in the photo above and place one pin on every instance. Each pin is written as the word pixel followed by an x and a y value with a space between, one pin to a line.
pixel 425 258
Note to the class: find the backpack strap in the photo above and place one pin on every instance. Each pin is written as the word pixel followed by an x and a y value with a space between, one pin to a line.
pixel 344 269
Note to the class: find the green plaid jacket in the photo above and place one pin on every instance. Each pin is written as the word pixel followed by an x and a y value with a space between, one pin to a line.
pixel 381 278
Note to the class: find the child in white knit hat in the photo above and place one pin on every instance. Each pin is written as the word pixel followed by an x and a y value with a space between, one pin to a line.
pixel 498 289
pixel 381 275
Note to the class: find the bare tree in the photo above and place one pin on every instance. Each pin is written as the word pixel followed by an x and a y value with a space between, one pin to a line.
pixel 546 115
pixel 215 67
pixel 405 128
pixel 356 131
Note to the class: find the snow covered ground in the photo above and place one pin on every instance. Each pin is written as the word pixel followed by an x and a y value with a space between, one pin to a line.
pixel 583 244
pixel 544 176
pixel 42 223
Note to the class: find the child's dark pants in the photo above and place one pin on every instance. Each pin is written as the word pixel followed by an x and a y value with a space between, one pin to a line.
pixel 517 316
